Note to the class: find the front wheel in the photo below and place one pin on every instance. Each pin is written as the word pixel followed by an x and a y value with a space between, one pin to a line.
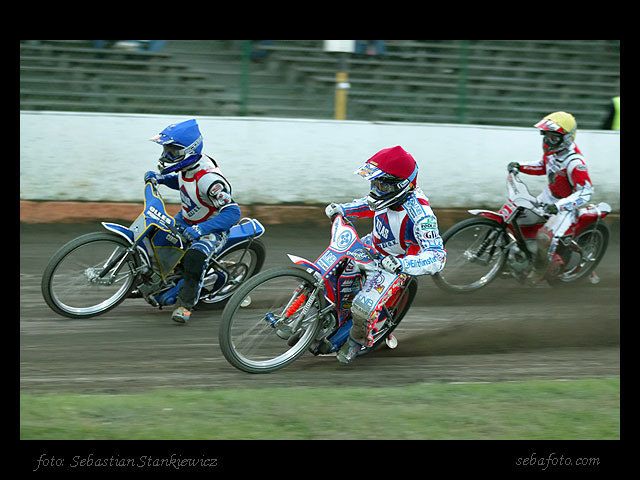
pixel 475 255
pixel 89 275
pixel 271 320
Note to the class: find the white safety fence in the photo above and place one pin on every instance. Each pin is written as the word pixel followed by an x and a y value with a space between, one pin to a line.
pixel 103 157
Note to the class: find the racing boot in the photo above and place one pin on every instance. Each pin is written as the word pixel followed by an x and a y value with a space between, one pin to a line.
pixel 181 315
pixel 193 263
pixel 355 344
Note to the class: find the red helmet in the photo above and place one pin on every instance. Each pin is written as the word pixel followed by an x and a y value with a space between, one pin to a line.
pixel 392 173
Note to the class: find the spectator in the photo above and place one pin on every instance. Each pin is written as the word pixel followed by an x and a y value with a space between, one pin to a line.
pixel 612 121
pixel 258 54
pixel 140 45
pixel 370 47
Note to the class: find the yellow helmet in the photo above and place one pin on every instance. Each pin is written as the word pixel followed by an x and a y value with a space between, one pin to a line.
pixel 559 131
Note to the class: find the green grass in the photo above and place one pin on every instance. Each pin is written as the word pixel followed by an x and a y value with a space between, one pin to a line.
pixel 540 409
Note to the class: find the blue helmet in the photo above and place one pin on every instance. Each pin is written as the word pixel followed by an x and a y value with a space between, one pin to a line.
pixel 181 146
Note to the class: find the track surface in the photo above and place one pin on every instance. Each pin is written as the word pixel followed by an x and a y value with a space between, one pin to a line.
pixel 505 332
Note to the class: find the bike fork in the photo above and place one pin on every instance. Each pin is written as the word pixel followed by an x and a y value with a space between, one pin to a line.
pixel 115 262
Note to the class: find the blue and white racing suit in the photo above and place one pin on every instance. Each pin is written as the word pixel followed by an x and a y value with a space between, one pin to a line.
pixel 408 232
pixel 207 207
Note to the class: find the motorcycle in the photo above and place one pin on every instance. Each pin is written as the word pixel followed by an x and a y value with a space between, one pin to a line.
pixel 281 313
pixel 95 272
pixel 504 243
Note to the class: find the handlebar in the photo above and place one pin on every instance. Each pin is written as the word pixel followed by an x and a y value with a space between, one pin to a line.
pixel 521 190
pixel 177 231
pixel 154 183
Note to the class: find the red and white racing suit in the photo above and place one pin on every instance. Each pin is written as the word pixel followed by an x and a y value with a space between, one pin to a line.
pixel 569 188
pixel 408 232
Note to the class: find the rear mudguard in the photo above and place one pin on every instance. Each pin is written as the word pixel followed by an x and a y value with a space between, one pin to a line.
pixel 590 215
pixel 248 229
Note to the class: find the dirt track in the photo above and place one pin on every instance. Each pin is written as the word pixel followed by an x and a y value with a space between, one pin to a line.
pixel 504 333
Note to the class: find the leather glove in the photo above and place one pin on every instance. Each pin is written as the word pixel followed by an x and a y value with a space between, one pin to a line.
pixel 513 167
pixel 151 175
pixel 192 233
pixel 550 209
pixel 392 264
pixel 332 210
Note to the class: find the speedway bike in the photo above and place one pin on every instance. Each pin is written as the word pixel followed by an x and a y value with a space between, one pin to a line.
pixel 503 243
pixel 95 272
pixel 281 313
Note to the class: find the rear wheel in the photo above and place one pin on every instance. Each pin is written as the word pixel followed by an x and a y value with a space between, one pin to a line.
pixel 239 263
pixel 398 309
pixel 580 261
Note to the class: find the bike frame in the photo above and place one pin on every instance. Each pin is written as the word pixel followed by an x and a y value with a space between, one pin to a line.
pixel 345 245
pixel 155 231
pixel 520 199
pixel 329 267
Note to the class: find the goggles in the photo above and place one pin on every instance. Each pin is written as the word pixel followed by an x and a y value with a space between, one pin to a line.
pixel 382 187
pixel 385 186
pixel 553 139
pixel 173 152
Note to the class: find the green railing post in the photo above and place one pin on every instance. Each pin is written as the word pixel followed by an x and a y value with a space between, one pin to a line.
pixel 462 81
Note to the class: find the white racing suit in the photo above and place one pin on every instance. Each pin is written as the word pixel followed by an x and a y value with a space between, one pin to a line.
pixel 569 188
pixel 408 232
pixel 206 205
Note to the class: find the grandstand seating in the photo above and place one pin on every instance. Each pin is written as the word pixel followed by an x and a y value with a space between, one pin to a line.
pixel 497 82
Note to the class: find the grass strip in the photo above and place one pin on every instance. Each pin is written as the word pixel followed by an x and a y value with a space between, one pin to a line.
pixel 537 409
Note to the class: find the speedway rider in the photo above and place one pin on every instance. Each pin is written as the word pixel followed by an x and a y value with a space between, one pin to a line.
pixel 405 231
pixel 208 211
pixel 569 186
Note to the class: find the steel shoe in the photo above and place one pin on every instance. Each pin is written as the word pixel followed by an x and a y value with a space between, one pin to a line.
pixel 350 350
